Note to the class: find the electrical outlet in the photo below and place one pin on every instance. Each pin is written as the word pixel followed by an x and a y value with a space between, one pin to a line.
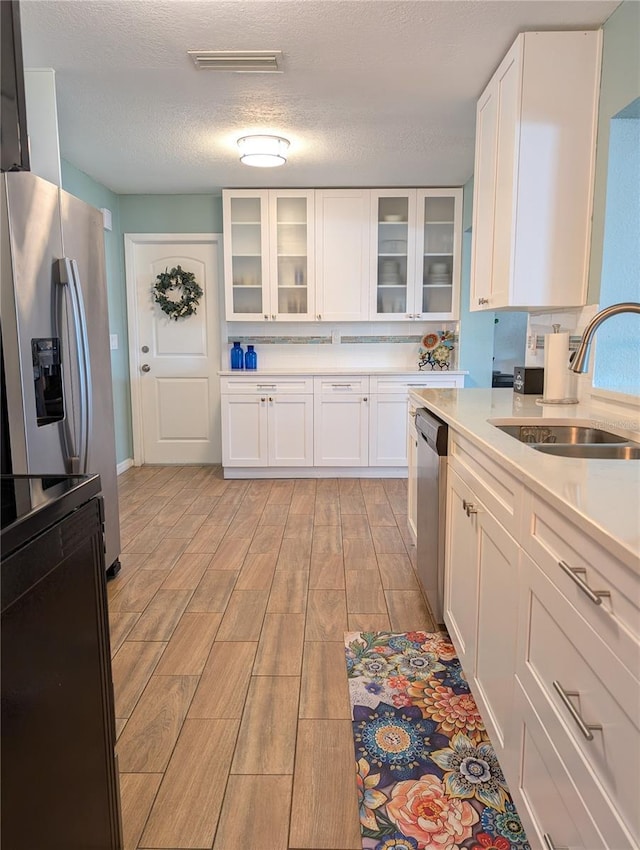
pixel 335 336
pixel 113 342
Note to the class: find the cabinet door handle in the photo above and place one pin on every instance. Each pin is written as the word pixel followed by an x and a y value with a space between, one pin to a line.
pixel 549 842
pixel 365 398
pixel 585 728
pixel 319 316
pixel 270 398
pixel 469 508
pixel 483 300
pixel 273 316
pixel 266 317
pixel 574 574
pixel 263 398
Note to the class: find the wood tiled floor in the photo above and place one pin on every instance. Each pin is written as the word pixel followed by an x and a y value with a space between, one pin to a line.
pixel 227 625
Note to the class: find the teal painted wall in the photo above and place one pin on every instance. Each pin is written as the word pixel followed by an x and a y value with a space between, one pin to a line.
pixel 617 359
pixel 619 86
pixel 476 329
pixel 171 213
pixel 84 187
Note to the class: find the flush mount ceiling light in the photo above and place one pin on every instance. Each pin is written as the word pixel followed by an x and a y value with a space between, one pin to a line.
pixel 263 151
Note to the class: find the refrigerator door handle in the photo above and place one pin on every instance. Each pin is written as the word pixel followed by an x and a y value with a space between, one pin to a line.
pixel 69 275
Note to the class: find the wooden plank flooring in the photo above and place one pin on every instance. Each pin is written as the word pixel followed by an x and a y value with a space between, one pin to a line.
pixel 227 625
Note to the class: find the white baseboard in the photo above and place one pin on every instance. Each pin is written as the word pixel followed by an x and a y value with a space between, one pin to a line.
pixel 126 464
pixel 315 472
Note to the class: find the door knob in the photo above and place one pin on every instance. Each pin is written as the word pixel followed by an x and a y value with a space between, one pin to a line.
pixel 145 367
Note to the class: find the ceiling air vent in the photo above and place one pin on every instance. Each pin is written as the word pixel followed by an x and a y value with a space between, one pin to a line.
pixel 240 61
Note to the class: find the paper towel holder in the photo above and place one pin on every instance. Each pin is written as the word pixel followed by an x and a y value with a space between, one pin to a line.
pixel 569 400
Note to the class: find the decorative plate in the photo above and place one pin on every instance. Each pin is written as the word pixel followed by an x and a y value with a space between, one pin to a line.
pixel 436 351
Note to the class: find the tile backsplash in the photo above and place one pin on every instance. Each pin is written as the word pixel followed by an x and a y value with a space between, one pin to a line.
pixel 342 344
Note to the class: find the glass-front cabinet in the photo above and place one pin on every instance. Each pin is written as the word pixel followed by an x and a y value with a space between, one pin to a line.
pixel 246 250
pixel 439 246
pixel 292 239
pixel 393 216
pixel 269 262
pixel 416 239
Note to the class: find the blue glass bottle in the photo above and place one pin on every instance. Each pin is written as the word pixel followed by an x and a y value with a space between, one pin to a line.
pixel 250 358
pixel 237 356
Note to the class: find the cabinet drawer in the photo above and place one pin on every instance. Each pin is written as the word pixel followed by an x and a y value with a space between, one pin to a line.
pixel 546 796
pixel 403 383
pixel 342 385
pixel 575 682
pixel 551 539
pixel 265 384
pixel 501 493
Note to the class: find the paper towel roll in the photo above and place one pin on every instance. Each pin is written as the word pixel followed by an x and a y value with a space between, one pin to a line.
pixel 556 366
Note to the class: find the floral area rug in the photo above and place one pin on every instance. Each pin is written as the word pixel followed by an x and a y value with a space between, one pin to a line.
pixel 427 774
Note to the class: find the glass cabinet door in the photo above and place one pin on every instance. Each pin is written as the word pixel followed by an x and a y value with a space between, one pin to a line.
pixel 292 234
pixel 393 216
pixel 247 217
pixel 439 223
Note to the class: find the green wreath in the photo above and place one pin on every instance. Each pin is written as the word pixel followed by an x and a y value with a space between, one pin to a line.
pixel 183 281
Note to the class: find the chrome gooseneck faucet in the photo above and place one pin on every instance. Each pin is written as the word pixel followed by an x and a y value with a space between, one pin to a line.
pixel 580 360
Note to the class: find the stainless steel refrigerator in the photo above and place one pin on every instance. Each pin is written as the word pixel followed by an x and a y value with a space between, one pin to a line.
pixel 55 339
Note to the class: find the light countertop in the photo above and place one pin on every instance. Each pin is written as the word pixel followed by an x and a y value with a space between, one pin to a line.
pixel 601 496
pixel 342 370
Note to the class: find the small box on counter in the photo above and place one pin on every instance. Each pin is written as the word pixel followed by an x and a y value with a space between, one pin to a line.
pixel 528 380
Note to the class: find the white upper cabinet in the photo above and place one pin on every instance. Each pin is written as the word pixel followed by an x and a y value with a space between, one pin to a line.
pixel 416 242
pixel 438 253
pixel 342 255
pixel 269 263
pixel 393 247
pixel 536 126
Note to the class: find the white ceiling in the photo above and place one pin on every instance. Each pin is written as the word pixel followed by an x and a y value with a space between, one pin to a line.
pixel 374 92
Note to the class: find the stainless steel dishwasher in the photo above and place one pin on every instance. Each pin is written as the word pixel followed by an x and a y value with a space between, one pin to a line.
pixel 432 487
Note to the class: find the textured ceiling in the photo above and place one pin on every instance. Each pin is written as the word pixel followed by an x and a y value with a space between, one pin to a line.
pixel 375 93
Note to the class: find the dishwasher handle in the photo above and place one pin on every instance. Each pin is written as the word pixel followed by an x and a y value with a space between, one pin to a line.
pixel 433 431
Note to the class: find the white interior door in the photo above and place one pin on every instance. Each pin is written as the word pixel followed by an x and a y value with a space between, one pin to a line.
pixel 175 390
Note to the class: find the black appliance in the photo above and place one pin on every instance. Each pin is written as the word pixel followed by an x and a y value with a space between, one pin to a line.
pixel 528 380
pixel 501 379
pixel 58 766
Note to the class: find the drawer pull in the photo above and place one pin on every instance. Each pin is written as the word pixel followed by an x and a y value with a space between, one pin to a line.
pixel 585 728
pixel 574 574
pixel 549 843
pixel 340 385
pixel 265 386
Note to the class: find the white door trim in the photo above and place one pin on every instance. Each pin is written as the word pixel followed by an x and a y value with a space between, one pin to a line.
pixel 131 240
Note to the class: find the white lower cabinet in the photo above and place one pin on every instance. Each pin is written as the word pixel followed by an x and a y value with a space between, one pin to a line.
pixel 550 807
pixel 461 572
pixel 548 639
pixel 341 421
pixel 481 594
pixel 267 423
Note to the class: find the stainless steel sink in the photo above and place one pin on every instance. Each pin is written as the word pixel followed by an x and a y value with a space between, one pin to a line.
pixel 571 434
pixel 603 451
pixel 581 441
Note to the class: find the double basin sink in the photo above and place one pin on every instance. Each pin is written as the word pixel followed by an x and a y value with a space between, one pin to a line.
pixel 580 441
